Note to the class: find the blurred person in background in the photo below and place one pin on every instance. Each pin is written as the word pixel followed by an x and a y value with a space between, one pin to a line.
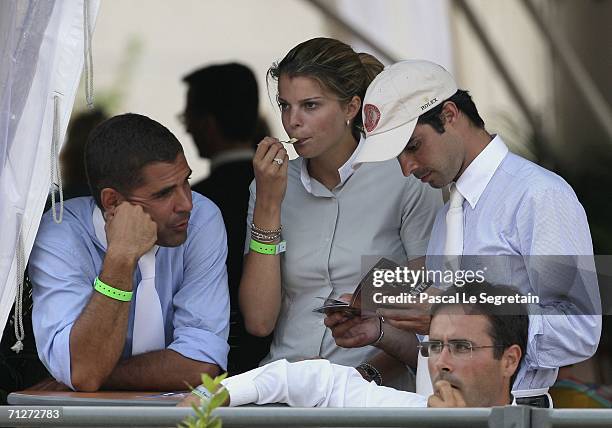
pixel 221 115
pixel 72 155
pixel 313 219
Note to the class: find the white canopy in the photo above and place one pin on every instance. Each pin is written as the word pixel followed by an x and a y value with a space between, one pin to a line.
pixel 42 45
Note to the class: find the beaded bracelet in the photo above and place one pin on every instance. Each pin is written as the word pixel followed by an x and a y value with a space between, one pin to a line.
pixel 264 238
pixel 265 231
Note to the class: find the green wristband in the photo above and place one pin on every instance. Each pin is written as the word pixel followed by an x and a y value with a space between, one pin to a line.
pixel 112 292
pixel 273 249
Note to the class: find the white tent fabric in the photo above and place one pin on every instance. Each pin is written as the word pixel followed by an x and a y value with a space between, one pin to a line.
pixel 40 67
pixel 423 25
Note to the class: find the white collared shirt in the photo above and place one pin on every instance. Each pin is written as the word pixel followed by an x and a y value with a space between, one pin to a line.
pixel 333 238
pixel 521 224
pixel 477 175
pixel 345 171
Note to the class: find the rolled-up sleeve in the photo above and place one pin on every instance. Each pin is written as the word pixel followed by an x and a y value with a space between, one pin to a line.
pixel 314 383
pixel 60 291
pixel 201 305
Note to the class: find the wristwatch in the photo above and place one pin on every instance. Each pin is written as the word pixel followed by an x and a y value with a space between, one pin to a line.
pixel 371 373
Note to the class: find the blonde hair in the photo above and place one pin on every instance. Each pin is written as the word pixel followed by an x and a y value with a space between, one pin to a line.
pixel 335 65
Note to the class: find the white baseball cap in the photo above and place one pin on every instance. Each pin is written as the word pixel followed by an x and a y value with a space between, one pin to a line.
pixel 393 103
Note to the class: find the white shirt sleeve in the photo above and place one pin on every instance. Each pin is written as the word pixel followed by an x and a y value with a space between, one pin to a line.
pixel 314 383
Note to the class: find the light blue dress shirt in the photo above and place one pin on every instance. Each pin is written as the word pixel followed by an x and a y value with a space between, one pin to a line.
pixel 530 222
pixel 191 281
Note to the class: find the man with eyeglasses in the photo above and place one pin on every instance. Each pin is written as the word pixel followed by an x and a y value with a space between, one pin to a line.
pixel 474 352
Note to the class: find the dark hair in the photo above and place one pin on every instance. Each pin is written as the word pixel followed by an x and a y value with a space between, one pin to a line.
pixel 229 93
pixel 118 149
pixel 335 65
pixel 262 129
pixel 508 322
pixel 463 101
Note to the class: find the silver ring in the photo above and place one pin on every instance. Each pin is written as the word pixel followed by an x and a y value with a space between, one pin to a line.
pixel 278 161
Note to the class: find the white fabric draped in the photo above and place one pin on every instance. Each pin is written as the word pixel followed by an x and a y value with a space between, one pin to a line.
pixel 409 29
pixel 40 67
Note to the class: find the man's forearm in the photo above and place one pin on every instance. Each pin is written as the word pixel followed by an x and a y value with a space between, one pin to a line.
pixel 98 335
pixel 164 370
pixel 399 344
pixel 389 368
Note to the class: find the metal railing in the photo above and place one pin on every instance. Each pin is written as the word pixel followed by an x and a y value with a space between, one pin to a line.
pixel 506 417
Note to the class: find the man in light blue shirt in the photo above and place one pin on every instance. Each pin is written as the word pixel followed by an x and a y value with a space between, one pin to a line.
pixel 521 224
pixel 93 337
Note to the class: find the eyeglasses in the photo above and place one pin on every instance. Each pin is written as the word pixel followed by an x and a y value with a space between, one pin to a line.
pixel 457 348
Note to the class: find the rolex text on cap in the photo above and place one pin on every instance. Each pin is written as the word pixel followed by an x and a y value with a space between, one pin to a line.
pixel 394 101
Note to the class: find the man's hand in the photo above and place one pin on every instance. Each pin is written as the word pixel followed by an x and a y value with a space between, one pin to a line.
pixel 350 331
pixel 130 232
pixel 415 319
pixel 194 400
pixel 445 396
pixel 353 332
pixel 189 400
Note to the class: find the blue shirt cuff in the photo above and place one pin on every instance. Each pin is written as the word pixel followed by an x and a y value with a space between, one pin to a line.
pixel 200 345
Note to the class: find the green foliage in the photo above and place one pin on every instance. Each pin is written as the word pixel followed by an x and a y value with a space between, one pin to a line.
pixel 203 418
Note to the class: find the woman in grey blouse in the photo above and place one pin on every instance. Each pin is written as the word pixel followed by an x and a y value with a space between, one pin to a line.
pixel 336 220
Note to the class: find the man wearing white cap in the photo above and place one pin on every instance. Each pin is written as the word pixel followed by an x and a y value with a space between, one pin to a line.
pixel 500 205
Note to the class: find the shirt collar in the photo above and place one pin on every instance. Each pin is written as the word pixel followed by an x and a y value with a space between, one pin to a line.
pixel 345 170
pixel 231 156
pixel 472 183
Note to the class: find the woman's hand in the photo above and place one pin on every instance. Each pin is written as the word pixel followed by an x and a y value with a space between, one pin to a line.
pixel 270 172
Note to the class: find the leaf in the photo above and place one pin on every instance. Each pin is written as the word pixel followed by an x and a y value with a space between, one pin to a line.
pixel 208 383
pixel 199 411
pixel 189 422
pixel 215 423
pixel 203 417
pixel 218 399
pixel 220 378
